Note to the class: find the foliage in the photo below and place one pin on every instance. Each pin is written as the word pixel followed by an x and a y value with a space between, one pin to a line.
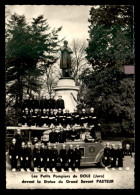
pixel 110 47
pixel 110 36
pixel 30 49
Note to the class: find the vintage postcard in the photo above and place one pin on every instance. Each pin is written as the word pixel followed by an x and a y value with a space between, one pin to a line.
pixel 70 82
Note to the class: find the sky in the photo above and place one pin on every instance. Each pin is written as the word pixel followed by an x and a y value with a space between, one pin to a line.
pixel 73 19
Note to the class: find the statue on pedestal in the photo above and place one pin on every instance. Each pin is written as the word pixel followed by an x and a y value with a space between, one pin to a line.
pixel 65 61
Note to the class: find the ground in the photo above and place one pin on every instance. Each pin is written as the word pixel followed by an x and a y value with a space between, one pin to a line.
pixel 87 178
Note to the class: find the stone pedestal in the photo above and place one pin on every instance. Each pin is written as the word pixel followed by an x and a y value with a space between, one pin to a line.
pixel 67 88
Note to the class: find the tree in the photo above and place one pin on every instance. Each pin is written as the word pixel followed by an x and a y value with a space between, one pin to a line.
pixel 110 47
pixel 110 36
pixel 79 62
pixel 50 79
pixel 27 48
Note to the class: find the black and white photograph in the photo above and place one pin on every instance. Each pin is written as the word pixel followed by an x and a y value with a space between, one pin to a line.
pixel 70 96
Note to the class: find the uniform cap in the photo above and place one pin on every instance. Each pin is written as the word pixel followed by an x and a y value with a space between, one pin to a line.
pixel 83 109
pixel 71 145
pixel 77 145
pixel 91 108
pixel 64 145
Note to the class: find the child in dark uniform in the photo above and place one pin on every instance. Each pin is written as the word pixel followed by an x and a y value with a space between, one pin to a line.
pixel 120 156
pixel 107 156
pixel 77 158
pixel 113 157
pixel 70 156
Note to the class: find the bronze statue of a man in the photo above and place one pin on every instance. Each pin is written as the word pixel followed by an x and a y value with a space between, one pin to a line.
pixel 65 62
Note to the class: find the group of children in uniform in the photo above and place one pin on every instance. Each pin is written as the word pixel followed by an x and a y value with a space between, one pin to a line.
pixel 42 158
pixel 120 157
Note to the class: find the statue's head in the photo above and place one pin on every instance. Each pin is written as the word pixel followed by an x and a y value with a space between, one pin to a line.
pixel 66 43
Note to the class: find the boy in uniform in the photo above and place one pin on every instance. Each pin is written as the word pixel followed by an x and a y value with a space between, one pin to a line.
pixel 35 117
pixel 120 156
pixel 83 117
pixel 26 117
pixel 53 136
pixel 28 156
pixel 113 157
pixel 22 157
pixel 63 157
pixel 54 158
pixel 13 155
pixel 70 157
pixel 42 157
pixel 67 117
pixel 59 116
pixel 61 136
pixel 60 103
pixel 51 117
pixel 107 155
pixel 75 117
pixel 73 134
pixel 77 158
pixel 48 157
pixel 36 157
pixel 18 139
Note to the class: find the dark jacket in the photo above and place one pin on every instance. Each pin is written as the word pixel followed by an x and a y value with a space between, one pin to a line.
pixel 54 154
pixel 36 153
pixel 63 154
pixel 60 104
pixel 77 154
pixel 113 153
pixel 52 103
pixel 61 137
pixel 53 137
pixel 29 153
pixel 42 152
pixel 13 151
pixel 107 152
pixel 48 153
pixel 70 154
pixel 23 153
pixel 18 139
pixel 119 153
